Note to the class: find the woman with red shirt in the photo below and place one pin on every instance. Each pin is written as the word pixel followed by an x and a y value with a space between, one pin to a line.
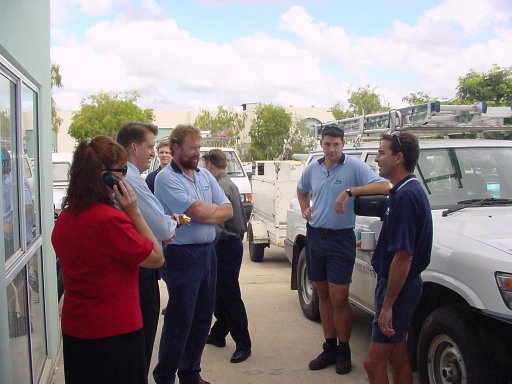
pixel 101 240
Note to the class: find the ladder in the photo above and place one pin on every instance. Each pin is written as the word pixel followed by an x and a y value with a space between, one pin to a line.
pixel 430 119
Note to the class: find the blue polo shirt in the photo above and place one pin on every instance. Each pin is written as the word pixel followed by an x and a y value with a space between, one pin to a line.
pixel 407 227
pixel 177 192
pixel 325 185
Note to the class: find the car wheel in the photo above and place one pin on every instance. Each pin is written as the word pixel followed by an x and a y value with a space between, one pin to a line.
pixel 256 251
pixel 308 297
pixel 450 351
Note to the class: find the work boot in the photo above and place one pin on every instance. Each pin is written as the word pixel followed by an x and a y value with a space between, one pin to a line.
pixel 323 360
pixel 343 359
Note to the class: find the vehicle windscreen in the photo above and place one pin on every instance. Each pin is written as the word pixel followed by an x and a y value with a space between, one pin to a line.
pixel 466 176
pixel 233 168
pixel 60 172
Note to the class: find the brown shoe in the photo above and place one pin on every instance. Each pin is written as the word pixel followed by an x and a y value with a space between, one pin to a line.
pixel 343 360
pixel 323 360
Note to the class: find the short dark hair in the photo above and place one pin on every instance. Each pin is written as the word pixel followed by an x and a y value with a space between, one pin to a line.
pixel 407 143
pixel 217 157
pixel 162 143
pixel 332 129
pixel 134 132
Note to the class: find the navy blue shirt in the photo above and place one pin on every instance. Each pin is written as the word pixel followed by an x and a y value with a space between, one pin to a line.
pixel 150 179
pixel 407 227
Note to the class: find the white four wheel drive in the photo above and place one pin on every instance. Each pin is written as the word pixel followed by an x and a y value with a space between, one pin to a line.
pixel 462 328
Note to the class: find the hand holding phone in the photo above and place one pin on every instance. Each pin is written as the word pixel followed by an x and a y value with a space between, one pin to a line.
pixel 109 179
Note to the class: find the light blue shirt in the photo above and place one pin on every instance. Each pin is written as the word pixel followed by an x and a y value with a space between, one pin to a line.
pixel 162 226
pixel 326 185
pixel 177 192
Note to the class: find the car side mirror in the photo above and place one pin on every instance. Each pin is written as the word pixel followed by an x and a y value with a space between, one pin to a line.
pixel 373 206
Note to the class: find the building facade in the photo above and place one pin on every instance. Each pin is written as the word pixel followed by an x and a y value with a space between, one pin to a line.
pixel 29 325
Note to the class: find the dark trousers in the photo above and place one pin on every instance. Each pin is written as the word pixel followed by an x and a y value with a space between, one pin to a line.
pixel 149 293
pixel 230 313
pixel 116 359
pixel 191 277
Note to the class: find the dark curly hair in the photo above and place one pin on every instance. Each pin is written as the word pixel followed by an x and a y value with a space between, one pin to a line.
pixel 91 157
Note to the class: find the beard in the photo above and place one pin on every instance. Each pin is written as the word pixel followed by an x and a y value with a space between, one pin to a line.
pixel 190 163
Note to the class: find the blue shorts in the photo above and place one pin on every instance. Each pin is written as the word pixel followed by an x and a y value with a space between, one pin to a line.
pixel 330 254
pixel 403 309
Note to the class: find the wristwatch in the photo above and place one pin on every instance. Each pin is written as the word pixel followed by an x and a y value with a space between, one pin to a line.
pixel 349 192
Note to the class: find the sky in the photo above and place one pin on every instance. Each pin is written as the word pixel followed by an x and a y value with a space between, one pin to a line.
pixel 201 54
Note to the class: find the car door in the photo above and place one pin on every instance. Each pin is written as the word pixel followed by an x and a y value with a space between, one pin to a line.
pixel 364 277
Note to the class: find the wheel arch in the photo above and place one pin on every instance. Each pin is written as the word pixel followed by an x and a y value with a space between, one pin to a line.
pixel 299 244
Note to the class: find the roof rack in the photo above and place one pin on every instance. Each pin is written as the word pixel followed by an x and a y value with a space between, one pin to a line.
pixel 430 119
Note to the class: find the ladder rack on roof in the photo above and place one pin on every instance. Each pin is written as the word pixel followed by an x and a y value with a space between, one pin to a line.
pixel 430 119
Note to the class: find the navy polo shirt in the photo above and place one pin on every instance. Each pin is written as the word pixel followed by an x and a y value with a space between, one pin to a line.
pixel 407 227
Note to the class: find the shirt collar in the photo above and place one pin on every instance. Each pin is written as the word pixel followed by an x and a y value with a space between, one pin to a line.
pixel 402 182
pixel 342 159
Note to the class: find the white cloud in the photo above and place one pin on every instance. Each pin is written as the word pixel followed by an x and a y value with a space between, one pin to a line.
pixel 145 50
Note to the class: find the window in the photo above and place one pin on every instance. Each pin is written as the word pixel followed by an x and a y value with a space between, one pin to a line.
pixel 21 231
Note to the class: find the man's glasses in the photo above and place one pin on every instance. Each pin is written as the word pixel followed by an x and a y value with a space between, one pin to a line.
pixel 396 134
pixel 123 170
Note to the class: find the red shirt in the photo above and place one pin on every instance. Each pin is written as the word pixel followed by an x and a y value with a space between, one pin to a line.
pixel 99 251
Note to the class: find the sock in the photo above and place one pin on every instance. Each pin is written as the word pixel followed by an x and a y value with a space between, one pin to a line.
pixel 332 342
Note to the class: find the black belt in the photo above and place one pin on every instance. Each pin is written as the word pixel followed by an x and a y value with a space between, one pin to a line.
pixel 329 230
pixel 193 245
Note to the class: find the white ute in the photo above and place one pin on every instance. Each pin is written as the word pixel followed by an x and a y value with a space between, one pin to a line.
pixel 274 184
pixel 462 328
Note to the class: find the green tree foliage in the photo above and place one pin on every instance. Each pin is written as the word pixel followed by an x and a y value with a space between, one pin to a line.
pixel 270 131
pixel 494 86
pixel 56 81
pixel 339 113
pixel 418 98
pixel 103 114
pixel 362 101
pixel 302 139
pixel 225 125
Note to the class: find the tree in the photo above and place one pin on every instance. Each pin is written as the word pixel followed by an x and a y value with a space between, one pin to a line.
pixel 300 140
pixel 270 131
pixel 418 98
pixel 362 101
pixel 494 86
pixel 56 81
pixel 225 125
pixel 339 113
pixel 103 114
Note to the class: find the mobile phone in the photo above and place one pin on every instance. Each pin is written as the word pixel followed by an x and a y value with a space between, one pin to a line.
pixel 109 179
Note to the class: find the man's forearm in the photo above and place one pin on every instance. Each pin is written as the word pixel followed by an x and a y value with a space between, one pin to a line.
pixel 377 188
pixel 398 273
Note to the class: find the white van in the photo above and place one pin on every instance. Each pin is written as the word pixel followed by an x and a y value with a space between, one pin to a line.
pixel 61 162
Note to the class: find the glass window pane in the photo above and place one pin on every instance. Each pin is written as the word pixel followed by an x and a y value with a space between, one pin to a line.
pixel 37 323
pixel 17 307
pixel 30 163
pixel 9 175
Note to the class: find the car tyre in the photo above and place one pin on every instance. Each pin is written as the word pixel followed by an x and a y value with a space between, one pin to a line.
pixel 450 351
pixel 308 296
pixel 256 251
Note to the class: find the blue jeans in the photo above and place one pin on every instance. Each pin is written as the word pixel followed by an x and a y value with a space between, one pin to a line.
pixel 191 277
